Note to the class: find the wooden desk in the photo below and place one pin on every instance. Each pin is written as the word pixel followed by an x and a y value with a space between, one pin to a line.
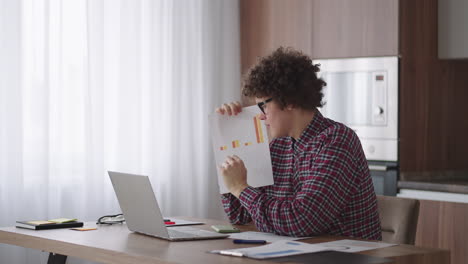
pixel 116 244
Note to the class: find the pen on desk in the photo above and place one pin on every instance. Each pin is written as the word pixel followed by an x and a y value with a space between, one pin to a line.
pixel 167 220
pixel 169 223
pixel 245 241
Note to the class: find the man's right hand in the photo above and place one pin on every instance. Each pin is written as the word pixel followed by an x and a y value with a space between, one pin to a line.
pixel 232 108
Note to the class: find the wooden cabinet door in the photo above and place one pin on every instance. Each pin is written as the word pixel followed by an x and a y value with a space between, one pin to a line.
pixel 269 24
pixel 357 28
pixel 320 28
pixel 444 225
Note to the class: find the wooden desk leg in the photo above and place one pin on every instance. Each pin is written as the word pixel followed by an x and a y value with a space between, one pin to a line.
pixel 56 259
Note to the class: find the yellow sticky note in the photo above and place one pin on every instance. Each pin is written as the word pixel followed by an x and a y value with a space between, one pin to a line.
pixel 84 228
pixel 39 222
pixel 62 220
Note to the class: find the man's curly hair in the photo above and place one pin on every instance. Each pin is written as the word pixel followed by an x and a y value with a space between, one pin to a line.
pixel 289 77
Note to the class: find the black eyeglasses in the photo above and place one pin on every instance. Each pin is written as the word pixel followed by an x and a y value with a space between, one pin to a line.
pixel 262 104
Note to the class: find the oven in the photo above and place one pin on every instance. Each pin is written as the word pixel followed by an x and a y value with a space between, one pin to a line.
pixel 362 93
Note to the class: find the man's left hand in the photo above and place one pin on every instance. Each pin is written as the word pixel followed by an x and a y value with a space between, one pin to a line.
pixel 234 175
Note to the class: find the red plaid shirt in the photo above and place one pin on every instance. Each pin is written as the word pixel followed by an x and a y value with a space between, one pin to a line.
pixel 321 185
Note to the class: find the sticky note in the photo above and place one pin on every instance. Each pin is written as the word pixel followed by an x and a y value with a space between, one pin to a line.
pixel 84 228
pixel 39 222
pixel 62 220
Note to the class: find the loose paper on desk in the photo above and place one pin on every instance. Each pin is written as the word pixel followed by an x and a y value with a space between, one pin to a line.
pixel 244 135
pixel 276 249
pixel 284 248
pixel 268 237
pixel 352 246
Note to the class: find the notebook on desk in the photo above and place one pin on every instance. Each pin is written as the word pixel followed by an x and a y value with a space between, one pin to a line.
pixel 141 210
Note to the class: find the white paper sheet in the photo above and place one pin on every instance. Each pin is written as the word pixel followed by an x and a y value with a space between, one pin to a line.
pixel 246 136
pixel 351 246
pixel 276 249
pixel 284 248
pixel 268 237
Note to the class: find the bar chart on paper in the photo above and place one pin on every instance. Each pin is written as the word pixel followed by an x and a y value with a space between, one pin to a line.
pixel 243 135
pixel 259 136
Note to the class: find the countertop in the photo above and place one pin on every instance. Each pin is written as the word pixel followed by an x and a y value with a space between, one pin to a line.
pixel 436 186
pixel 440 181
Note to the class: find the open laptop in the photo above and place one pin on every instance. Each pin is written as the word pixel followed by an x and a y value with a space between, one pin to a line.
pixel 141 210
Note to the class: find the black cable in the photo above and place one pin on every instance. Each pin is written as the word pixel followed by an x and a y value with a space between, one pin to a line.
pixel 101 222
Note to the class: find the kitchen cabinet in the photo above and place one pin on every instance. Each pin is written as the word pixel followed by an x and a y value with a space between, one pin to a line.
pixel 268 24
pixel 433 92
pixel 320 28
pixel 358 28
pixel 453 29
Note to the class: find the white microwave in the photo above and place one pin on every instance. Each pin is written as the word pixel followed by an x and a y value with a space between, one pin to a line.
pixel 362 93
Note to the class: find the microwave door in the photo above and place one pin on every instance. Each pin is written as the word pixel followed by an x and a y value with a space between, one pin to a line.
pixel 362 93
pixel 348 98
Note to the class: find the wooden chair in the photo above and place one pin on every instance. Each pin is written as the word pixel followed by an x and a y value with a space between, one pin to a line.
pixel 398 218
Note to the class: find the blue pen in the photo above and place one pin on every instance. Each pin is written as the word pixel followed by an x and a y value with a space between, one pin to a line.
pixel 244 241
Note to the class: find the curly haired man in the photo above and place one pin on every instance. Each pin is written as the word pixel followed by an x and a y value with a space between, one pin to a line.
pixel 322 183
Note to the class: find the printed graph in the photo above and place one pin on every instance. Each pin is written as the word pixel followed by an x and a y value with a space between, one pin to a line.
pixel 258 134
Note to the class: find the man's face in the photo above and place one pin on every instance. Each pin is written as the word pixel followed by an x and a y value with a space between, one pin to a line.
pixel 276 120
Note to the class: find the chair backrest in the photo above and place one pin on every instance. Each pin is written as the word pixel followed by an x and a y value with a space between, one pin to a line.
pixel 398 218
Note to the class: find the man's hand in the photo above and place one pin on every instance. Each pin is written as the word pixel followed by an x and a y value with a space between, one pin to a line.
pixel 234 175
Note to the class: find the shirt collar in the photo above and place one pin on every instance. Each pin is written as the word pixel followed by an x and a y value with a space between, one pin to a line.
pixel 314 128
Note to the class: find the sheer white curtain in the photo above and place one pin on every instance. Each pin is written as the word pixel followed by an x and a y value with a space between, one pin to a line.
pixel 97 85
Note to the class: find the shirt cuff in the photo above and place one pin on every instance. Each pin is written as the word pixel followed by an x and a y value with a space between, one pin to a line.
pixel 248 196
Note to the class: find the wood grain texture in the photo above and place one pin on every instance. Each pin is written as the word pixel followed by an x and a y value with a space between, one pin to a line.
pixel 116 244
pixel 320 28
pixel 268 24
pixel 444 225
pixel 433 94
pixel 358 28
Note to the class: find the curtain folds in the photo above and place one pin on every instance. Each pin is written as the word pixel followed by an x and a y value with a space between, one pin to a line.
pixel 97 85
